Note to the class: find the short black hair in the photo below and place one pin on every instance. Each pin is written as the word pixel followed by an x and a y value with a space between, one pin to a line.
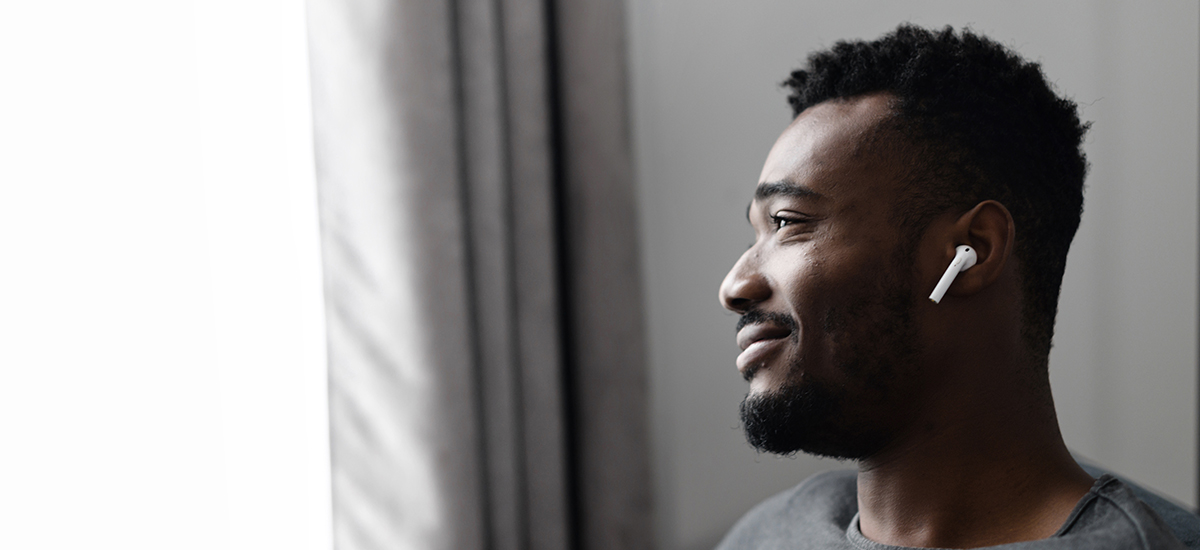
pixel 985 124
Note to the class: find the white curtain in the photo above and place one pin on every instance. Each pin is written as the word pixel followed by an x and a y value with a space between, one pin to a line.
pixel 487 386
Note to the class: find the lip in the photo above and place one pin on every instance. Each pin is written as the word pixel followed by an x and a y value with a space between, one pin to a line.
pixel 758 342
pixel 758 332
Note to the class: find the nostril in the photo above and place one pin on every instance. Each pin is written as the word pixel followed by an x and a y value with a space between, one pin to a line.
pixel 739 305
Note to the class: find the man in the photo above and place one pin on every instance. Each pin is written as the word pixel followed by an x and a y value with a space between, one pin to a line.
pixel 901 150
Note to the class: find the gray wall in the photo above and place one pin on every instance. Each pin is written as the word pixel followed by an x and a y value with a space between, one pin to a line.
pixel 707 108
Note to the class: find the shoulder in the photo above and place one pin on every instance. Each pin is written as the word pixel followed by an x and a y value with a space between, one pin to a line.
pixel 817 511
pixel 1183 523
pixel 1112 512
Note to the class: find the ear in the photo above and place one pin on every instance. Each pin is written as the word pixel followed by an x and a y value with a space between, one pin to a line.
pixel 989 229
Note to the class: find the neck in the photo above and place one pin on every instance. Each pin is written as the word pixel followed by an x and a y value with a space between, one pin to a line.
pixel 980 472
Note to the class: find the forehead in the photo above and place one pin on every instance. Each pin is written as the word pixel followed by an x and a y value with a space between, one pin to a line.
pixel 836 149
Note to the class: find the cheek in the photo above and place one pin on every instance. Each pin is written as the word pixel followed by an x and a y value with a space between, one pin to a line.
pixel 811 287
pixel 800 279
pixel 824 289
pixel 836 299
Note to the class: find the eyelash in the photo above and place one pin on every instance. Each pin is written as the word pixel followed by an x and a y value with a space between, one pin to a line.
pixel 783 221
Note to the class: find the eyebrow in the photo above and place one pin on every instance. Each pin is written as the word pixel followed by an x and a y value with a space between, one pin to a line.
pixel 766 190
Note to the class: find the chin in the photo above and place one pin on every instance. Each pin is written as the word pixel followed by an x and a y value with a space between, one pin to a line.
pixel 762 384
pixel 804 419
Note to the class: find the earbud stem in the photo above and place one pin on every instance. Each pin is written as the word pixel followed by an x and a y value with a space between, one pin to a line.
pixel 964 258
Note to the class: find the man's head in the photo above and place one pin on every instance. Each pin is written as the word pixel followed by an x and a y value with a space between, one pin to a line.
pixel 900 148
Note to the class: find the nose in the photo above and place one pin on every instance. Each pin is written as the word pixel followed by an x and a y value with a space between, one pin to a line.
pixel 744 286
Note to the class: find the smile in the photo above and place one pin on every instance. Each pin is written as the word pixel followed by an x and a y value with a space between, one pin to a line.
pixel 758 343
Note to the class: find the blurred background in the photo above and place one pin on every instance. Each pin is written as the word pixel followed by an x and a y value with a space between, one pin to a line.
pixel 228 228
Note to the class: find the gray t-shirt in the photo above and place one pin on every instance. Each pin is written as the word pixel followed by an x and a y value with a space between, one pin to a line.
pixel 822 513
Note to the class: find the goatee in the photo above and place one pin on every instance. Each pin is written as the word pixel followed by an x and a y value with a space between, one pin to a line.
pixel 802 419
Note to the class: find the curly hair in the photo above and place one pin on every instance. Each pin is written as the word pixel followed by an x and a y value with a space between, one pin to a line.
pixel 984 124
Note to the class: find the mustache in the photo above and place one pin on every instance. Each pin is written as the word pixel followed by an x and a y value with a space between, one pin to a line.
pixel 758 316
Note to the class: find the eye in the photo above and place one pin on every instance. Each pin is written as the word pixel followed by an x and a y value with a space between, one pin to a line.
pixel 780 221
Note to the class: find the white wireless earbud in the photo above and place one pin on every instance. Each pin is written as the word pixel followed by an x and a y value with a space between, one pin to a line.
pixel 964 258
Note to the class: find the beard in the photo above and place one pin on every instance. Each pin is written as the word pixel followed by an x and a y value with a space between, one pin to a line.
pixel 805 418
pixel 792 419
pixel 848 419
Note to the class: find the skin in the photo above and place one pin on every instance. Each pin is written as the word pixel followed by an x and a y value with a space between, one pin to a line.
pixel 966 450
